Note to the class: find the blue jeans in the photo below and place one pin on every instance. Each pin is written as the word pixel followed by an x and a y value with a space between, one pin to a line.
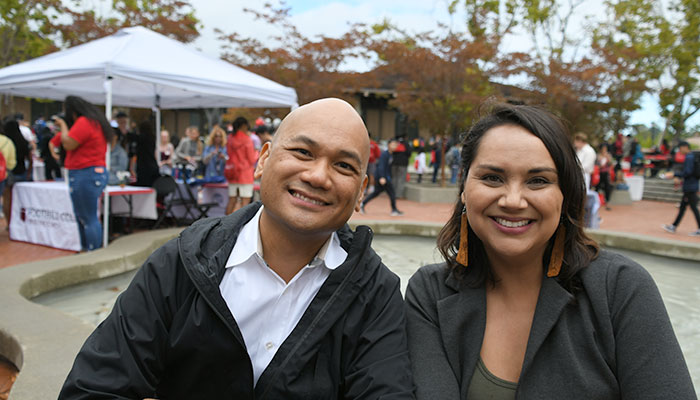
pixel 86 186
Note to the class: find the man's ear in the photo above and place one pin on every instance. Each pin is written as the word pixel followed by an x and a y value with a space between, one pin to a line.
pixel 264 155
pixel 362 194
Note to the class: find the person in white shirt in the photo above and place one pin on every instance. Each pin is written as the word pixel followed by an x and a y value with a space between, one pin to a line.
pixel 586 155
pixel 279 300
pixel 26 131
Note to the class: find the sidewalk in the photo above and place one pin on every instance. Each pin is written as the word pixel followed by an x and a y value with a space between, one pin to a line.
pixel 13 253
pixel 642 217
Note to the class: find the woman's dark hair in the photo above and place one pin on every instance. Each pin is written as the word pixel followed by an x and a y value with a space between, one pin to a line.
pixel 238 123
pixel 579 249
pixel 77 107
pixel 11 130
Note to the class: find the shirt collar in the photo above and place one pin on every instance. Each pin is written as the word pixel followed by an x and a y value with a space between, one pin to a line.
pixel 249 244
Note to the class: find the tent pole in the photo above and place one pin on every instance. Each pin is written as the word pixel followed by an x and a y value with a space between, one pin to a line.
pixel 105 198
pixel 156 109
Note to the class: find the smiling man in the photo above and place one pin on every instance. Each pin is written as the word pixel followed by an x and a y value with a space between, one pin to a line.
pixel 280 300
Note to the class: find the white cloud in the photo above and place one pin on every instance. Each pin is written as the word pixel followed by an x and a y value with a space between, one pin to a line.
pixel 330 19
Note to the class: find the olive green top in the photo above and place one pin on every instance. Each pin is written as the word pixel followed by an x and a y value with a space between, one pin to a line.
pixel 487 386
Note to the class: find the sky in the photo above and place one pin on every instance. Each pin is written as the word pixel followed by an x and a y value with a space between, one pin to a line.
pixel 332 18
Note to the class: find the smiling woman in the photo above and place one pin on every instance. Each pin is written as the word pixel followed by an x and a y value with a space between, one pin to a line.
pixel 525 303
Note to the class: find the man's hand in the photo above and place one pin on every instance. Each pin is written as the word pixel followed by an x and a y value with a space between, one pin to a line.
pixel 61 124
pixel 382 181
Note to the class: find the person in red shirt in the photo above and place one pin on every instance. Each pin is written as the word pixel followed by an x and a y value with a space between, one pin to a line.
pixel 243 156
pixel 374 153
pixel 84 134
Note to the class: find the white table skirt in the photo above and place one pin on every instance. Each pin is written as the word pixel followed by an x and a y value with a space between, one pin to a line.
pixel 42 212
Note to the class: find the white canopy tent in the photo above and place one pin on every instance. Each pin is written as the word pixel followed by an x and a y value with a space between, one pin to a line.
pixel 137 67
pixel 142 67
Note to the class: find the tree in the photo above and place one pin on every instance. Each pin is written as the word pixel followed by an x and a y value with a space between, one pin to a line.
pixel 441 77
pixel 173 18
pixel 23 33
pixel 627 47
pixel 438 79
pixel 680 100
pixel 310 65
pixel 32 28
pixel 557 72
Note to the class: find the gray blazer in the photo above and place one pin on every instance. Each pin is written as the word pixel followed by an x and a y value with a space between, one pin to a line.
pixel 611 340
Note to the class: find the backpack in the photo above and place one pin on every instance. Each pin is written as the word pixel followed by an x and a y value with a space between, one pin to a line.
pixel 696 165
pixel 3 167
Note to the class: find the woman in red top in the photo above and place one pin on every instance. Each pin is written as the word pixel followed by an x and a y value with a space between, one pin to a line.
pixel 85 134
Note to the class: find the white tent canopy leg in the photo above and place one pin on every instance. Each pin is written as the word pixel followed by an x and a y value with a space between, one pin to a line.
pixel 105 198
pixel 156 109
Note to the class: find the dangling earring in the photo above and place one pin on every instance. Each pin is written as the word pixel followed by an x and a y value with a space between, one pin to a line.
pixel 557 256
pixel 463 253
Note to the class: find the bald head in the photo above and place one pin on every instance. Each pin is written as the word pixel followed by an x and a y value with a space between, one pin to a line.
pixel 331 115
pixel 312 175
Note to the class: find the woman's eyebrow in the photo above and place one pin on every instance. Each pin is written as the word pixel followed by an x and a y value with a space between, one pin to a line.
pixel 535 170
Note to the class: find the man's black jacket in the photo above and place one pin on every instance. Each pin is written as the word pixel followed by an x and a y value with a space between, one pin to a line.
pixel 172 336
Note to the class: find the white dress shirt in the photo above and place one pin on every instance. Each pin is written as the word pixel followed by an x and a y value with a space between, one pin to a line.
pixel 265 307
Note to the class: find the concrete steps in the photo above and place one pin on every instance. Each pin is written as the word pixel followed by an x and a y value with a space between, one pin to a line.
pixel 661 190
pixel 428 176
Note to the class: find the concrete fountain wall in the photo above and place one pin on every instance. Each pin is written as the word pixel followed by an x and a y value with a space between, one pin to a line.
pixel 42 342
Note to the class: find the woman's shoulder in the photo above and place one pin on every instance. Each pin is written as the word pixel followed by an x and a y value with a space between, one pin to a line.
pixel 611 272
pixel 431 278
pixel 84 122
pixel 433 271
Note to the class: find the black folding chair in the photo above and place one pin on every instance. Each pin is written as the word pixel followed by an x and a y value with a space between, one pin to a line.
pixel 165 187
pixel 189 200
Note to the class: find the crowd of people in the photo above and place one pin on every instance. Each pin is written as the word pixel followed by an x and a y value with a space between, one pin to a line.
pixel 229 153
pixel 75 141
